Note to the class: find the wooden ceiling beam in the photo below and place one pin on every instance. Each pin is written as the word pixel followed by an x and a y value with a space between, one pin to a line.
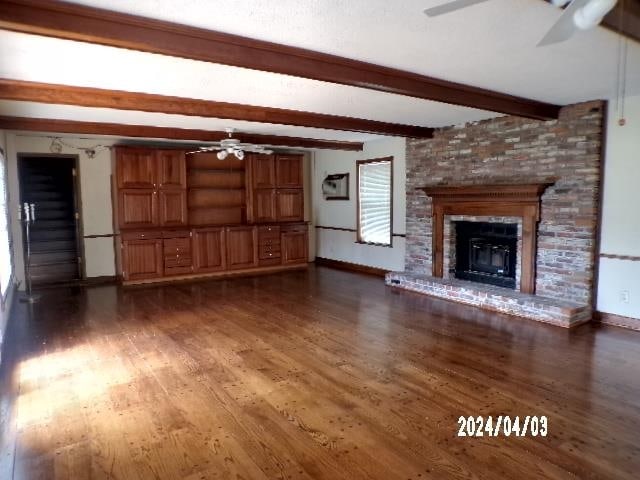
pixel 146 102
pixel 144 131
pixel 104 27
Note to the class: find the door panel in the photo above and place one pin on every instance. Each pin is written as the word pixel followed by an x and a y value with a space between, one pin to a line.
pixel 209 249
pixel 263 171
pixel 136 168
pixel 141 259
pixel 294 247
pixel 290 205
pixel 264 205
pixel 172 171
pixel 242 246
pixel 137 208
pixel 172 208
pixel 289 171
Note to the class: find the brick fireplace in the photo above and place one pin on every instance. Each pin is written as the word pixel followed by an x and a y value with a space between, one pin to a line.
pixel 557 160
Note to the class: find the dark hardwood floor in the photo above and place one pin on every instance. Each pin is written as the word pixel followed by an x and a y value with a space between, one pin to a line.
pixel 322 374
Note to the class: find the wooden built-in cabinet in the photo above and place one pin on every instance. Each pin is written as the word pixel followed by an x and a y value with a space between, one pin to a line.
pixel 183 216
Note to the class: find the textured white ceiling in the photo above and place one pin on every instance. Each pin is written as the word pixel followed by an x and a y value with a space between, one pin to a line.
pixel 491 45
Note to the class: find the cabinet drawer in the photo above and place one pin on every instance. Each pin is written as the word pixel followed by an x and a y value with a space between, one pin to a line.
pixel 175 246
pixel 268 251
pixel 186 270
pixel 146 235
pixel 298 227
pixel 268 233
pixel 171 261
pixel 176 233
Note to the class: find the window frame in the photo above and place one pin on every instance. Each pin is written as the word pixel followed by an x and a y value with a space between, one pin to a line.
pixel 359 227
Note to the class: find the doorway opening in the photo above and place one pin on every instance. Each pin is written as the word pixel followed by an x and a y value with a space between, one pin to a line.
pixel 49 183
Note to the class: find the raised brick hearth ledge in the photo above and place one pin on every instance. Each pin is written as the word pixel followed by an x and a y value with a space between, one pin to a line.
pixel 543 309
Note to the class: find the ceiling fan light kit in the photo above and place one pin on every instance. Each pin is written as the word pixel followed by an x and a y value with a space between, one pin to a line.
pixel 592 13
pixel 232 146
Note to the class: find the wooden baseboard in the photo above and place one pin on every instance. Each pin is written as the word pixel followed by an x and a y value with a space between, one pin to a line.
pixel 223 274
pixel 617 320
pixel 353 267
pixel 102 280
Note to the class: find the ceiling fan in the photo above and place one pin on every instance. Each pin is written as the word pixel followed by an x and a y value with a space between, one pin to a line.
pixel 579 14
pixel 232 146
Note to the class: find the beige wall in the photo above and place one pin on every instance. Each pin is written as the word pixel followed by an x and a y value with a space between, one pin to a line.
pixel 5 308
pixel 95 199
pixel 341 245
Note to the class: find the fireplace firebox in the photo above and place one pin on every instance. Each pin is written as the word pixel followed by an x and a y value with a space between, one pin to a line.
pixel 486 252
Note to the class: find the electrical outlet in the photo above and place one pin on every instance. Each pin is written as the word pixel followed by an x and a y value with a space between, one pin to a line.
pixel 624 296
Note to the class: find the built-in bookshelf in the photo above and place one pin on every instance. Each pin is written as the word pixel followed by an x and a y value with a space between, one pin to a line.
pixel 216 193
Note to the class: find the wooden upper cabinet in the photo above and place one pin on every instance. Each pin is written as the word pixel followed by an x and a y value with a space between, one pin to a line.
pixel 172 208
pixel 264 205
pixel 242 247
pixel 141 259
pixel 209 250
pixel 288 171
pixel 263 171
pixel 290 205
pixel 172 169
pixel 136 168
pixel 137 208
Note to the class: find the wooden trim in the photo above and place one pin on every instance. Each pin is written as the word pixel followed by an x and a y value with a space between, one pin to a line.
pixel 358 233
pixel 630 258
pixel 102 280
pixel 145 131
pixel 352 267
pixel 227 273
pixel 340 229
pixel 104 27
pixel 599 206
pixel 616 320
pixel 147 102
pixel 515 200
pixel 105 235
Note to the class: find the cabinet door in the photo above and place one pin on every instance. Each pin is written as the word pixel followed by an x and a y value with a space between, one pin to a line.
pixel 289 171
pixel 242 247
pixel 290 205
pixel 136 168
pixel 264 205
pixel 137 208
pixel 294 247
pixel 172 208
pixel 209 249
pixel 172 169
pixel 263 171
pixel 141 259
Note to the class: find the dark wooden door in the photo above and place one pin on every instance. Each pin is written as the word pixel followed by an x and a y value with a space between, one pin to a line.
pixel 294 245
pixel 209 249
pixel 137 208
pixel 172 208
pixel 289 171
pixel 242 251
pixel 172 171
pixel 136 168
pixel 141 259
pixel 290 205
pixel 264 205
pixel 263 171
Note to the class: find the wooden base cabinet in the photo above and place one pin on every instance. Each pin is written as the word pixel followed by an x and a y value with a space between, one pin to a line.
pixel 294 244
pixel 209 250
pixel 242 247
pixel 141 259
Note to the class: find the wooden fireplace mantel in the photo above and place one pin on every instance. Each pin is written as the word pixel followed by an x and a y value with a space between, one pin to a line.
pixel 500 200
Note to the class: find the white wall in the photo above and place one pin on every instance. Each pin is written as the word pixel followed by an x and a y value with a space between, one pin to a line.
pixel 621 214
pixel 95 199
pixel 5 307
pixel 340 245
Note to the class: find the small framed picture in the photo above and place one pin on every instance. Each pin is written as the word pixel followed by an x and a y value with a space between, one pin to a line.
pixel 336 186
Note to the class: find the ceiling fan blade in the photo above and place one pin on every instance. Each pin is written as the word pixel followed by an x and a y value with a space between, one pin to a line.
pixel 450 7
pixel 564 27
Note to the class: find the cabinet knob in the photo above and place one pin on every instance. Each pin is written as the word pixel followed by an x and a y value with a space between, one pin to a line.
pixel 142 235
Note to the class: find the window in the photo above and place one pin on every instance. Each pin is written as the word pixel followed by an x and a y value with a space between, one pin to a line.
pixel 375 194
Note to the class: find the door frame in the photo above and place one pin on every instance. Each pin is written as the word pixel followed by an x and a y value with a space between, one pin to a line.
pixel 77 203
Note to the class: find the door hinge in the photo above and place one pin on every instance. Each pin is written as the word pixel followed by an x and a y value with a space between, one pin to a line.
pixel 76 215
pixel 73 172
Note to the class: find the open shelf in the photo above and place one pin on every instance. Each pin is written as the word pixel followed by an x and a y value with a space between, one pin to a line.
pixel 217 215
pixel 209 161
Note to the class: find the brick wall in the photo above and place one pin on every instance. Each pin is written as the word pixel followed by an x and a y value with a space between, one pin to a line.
pixel 516 150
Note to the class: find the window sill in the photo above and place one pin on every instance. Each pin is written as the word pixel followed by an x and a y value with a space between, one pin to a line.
pixel 388 245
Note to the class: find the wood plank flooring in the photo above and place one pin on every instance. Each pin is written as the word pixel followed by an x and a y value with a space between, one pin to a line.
pixel 322 374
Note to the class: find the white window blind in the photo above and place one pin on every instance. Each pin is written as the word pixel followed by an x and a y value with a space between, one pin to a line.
pixel 5 245
pixel 374 201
